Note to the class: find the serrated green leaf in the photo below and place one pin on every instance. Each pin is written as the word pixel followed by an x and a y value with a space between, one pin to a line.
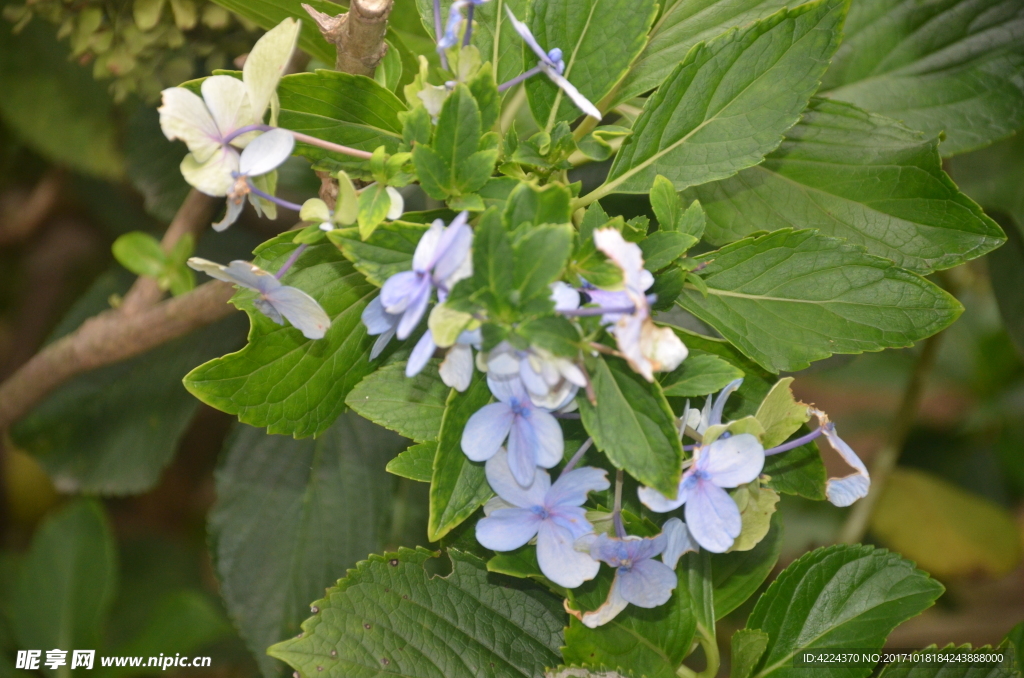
pixel 415 463
pixel 838 597
pixel 530 204
pixel 412 407
pixel 1015 641
pixel 66 582
pixel 552 333
pixel 539 257
pixel 682 25
pixel 389 70
pixel 953 664
pixel 952 66
pixel 633 425
pixel 291 516
pixel 857 176
pixel 700 374
pixel 747 647
pixel 374 203
pixel 729 101
pixel 598 39
pixel 661 248
pixel 351 110
pixel 757 506
pixel 780 413
pixel 493 266
pixel 458 486
pixel 739 574
pixel 450 165
pixel 828 298
pixel 389 616
pixel 387 251
pixel 281 380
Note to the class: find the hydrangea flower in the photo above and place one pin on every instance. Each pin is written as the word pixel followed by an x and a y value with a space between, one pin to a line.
pixel 848 489
pixel 552 65
pixel 551 381
pixel 646 347
pixel 678 541
pixel 713 518
pixel 551 512
pixel 379 323
pixel 456 369
pixel 441 259
pixel 534 436
pixel 639 579
pixel 275 300
pixel 263 155
pixel 214 126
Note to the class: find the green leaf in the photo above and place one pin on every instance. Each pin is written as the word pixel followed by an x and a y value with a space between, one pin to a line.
pixel 415 463
pixel 739 574
pixel 700 374
pixel 695 578
pixel 951 532
pixel 1006 270
pixel 140 253
pixel 747 647
pixel 454 164
pixel 66 582
pixel 374 203
pixel 665 202
pixel 682 25
pixel 387 251
pixel 551 333
pixel 948 665
pixel 993 177
pixel 838 597
pixel 389 70
pixel 539 257
pixel 153 165
pixel 351 110
pixel 55 106
pixel 828 297
pixel 781 414
pixel 857 176
pixel 493 34
pixel 281 380
pixel 530 204
pixel 458 486
pixel 661 248
pixel 411 407
pixel 757 506
pixel 729 101
pixel 1015 640
pixel 269 13
pixel 952 66
pixel 388 616
pixel 492 259
pixel 113 430
pixel 291 516
pixel 598 39
pixel 633 424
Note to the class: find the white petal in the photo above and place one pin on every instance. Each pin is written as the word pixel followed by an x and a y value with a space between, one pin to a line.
pixel 228 102
pixel 397 203
pixel 559 560
pixel 231 214
pixel 565 296
pixel 215 177
pixel 845 491
pixel 524 32
pixel 611 607
pixel 732 461
pixel 267 62
pixel 678 541
pixel 581 101
pixel 266 152
pixel 457 367
pixel 183 115
pixel 499 477
pixel 301 310
pixel 658 502
pixel 662 347
pixel 240 273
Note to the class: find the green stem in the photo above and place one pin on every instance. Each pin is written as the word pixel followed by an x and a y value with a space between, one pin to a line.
pixel 710 645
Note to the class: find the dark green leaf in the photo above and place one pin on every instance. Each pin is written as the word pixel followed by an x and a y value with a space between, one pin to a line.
pixel 66 583
pixel 828 297
pixel 838 597
pixel 291 516
pixel 1006 270
pixel 633 424
pixel 729 101
pixel 281 380
pixel 530 204
pixel 860 177
pixel 492 259
pixel 539 257
pixel 412 407
pixel 386 252
pixel 661 248
pixel 953 664
pixel 268 13
pixel 700 374
pixel 390 617
pixel 416 463
pixel 458 487
pixel 598 39
pixel 153 164
pixel 739 574
pixel 952 66
pixel 551 333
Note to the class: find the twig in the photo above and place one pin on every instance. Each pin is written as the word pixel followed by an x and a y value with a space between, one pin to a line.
pixel 357 35
pixel 856 524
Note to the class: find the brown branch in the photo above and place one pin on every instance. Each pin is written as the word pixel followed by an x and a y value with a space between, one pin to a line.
pixel 107 338
pixel 357 35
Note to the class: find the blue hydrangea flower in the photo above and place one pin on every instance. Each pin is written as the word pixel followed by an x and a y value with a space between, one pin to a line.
pixel 534 436
pixel 551 381
pixel 712 516
pixel 379 323
pixel 848 489
pixel 678 541
pixel 639 579
pixel 553 66
pixel 441 259
pixel 552 513
pixel 457 368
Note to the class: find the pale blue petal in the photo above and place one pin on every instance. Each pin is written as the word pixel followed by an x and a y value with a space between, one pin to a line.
pixel 658 502
pixel 399 290
pixel 723 396
pixel 677 541
pixel 845 491
pixel 610 608
pixel 522 451
pixel 486 430
pixel 572 518
pixel 414 312
pixel 499 477
pixel 524 32
pixel 646 547
pixel 231 215
pixel 376 319
pixel 610 550
pixel 301 310
pixel 649 583
pixel 547 434
pixel 559 560
pixel 451 37
pixel 732 461
pixel 713 517
pixel 266 152
pixel 571 488
pixel 582 102
pixel 381 343
pixel 421 353
pixel 423 257
pixel 267 309
pixel 506 390
pixel 507 529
